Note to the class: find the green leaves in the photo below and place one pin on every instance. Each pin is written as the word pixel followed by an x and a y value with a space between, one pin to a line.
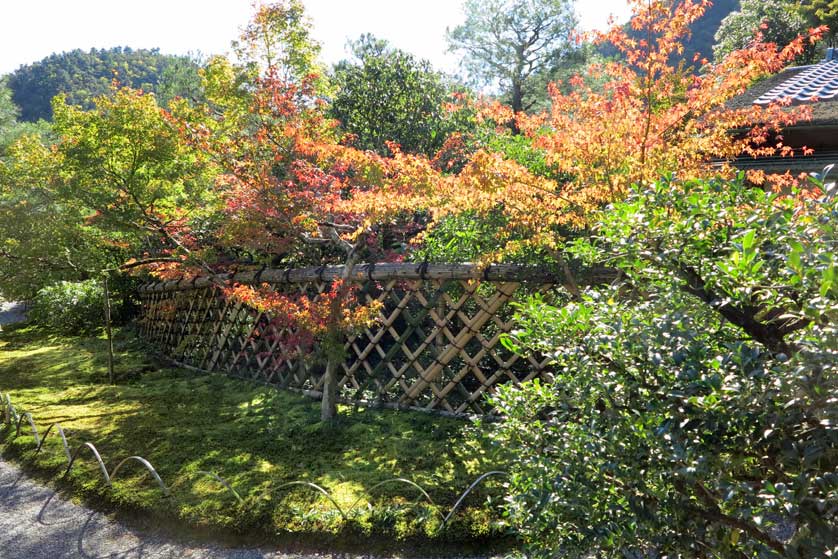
pixel 70 308
pixel 743 261
pixel 387 95
pixel 127 163
pixel 673 422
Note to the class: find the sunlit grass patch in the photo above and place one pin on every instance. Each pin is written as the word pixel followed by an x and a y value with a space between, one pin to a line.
pixel 258 439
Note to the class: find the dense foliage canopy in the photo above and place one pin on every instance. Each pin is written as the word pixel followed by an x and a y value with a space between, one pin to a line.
pixel 778 21
pixel 386 95
pixel 83 76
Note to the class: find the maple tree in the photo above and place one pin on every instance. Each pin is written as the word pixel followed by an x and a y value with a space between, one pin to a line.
pixel 278 39
pixel 628 122
pixel 127 168
pixel 119 187
pixel 291 189
pixel 42 240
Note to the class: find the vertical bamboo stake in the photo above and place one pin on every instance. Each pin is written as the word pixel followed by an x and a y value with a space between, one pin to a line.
pixel 441 312
pixel 108 330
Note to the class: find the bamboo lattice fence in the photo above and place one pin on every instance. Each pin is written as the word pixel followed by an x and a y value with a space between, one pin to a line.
pixel 436 345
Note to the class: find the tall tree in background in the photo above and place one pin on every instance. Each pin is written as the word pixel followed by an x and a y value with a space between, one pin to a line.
pixel 518 45
pixel 821 12
pixel 386 95
pixel 777 20
pixel 181 78
pixel 278 38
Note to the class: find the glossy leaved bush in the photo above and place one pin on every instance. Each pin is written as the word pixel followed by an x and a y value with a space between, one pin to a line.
pixel 693 410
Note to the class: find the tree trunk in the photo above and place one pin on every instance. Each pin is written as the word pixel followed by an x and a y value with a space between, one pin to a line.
pixel 335 338
pixel 329 404
pixel 517 105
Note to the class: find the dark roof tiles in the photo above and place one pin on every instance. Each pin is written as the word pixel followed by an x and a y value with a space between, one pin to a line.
pixel 815 83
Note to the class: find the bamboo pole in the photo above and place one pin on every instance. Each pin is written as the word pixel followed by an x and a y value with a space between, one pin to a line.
pixel 399 271
pixel 504 293
pixel 109 331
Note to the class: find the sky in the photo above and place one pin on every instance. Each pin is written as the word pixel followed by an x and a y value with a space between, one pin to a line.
pixel 33 29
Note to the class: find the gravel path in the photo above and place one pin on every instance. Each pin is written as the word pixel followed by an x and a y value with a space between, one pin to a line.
pixel 36 523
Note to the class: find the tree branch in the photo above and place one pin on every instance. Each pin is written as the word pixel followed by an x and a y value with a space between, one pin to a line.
pixel 146 261
pixel 744 317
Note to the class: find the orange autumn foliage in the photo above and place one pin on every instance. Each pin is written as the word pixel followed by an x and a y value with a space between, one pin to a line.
pixel 308 317
pixel 631 121
pixel 664 118
pixel 287 172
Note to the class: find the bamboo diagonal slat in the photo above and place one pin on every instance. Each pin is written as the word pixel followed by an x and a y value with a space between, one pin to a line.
pixel 436 345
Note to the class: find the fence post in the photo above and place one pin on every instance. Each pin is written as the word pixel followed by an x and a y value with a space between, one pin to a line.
pixel 109 330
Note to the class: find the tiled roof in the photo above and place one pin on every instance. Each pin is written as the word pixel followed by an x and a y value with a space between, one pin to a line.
pixel 815 83
pixel 824 112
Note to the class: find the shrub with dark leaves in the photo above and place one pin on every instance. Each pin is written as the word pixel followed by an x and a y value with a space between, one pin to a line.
pixel 694 409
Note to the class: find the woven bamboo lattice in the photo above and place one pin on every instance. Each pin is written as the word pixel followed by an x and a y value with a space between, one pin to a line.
pixel 436 345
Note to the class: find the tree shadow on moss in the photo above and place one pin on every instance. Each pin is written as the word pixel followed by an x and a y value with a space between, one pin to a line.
pixel 256 437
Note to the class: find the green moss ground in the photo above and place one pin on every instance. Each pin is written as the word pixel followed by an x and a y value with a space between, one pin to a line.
pixel 257 438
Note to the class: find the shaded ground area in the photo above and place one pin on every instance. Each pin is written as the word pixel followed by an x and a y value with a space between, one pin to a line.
pixel 260 440
pixel 38 524
pixel 10 313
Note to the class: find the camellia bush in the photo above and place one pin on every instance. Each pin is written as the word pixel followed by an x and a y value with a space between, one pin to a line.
pixel 693 411
pixel 70 307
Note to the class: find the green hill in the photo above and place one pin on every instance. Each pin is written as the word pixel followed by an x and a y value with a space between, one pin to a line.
pixel 84 75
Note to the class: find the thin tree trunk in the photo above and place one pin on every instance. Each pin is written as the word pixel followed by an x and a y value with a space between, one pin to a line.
pixel 517 105
pixel 329 403
pixel 109 331
pixel 335 338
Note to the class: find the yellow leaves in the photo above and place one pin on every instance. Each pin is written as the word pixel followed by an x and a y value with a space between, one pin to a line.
pixel 490 182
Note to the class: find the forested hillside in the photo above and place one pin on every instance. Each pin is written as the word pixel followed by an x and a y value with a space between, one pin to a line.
pixel 701 38
pixel 84 75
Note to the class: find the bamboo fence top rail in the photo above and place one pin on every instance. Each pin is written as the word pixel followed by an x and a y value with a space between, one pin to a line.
pixel 387 271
